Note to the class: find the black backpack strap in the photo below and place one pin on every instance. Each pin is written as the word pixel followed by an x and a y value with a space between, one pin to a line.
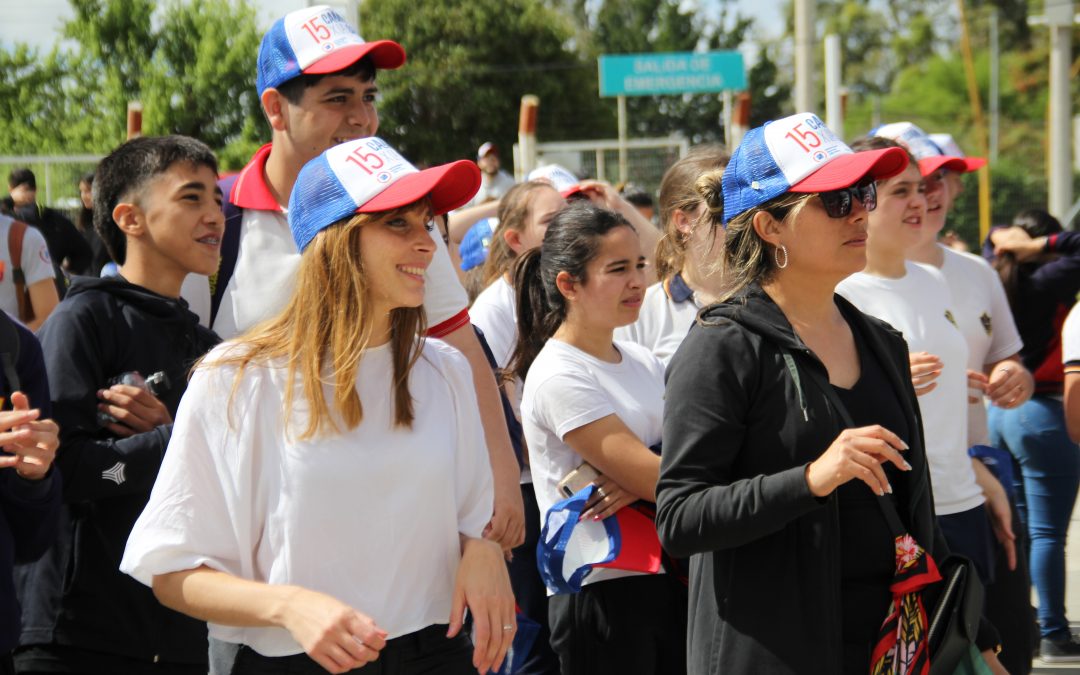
pixel 517 433
pixel 9 352
pixel 230 246
pixel 888 509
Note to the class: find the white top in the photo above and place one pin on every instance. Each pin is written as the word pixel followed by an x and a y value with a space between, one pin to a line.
pixel 567 389
pixel 36 264
pixel 265 275
pixel 370 516
pixel 1070 336
pixel 663 323
pixel 919 306
pixel 196 291
pixel 982 313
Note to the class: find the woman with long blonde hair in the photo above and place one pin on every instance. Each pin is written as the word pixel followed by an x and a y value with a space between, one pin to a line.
pixel 323 497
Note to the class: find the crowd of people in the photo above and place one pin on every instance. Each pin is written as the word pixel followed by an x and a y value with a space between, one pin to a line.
pixel 336 412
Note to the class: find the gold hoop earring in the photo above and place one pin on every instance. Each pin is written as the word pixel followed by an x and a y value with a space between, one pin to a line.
pixel 776 256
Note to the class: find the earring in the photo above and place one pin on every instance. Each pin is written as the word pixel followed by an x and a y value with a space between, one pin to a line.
pixel 776 256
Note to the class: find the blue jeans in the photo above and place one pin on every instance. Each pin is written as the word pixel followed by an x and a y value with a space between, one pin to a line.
pixel 1050 471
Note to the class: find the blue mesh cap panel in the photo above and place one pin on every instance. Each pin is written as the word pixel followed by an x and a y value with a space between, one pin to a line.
pixel 752 177
pixel 277 60
pixel 318 200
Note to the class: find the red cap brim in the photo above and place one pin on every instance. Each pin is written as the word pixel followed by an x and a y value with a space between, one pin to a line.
pixel 385 54
pixel 846 170
pixel 450 186
pixel 929 165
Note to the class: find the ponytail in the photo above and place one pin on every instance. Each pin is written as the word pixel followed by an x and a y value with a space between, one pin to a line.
pixel 538 316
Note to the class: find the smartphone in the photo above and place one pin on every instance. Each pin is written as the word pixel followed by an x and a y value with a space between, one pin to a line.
pixel 574 481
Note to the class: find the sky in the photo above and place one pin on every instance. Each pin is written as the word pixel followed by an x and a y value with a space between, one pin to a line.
pixel 38 23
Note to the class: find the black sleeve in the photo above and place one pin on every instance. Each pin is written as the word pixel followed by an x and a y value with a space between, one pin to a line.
pixel 701 505
pixel 1060 278
pixel 33 380
pixel 73 246
pixel 32 510
pixel 95 465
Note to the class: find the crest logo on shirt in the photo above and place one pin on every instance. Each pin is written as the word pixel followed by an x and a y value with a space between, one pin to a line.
pixel 987 324
pixel 949 316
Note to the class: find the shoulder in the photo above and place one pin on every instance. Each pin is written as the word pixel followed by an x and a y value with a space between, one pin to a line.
pixel 441 359
pixel 497 297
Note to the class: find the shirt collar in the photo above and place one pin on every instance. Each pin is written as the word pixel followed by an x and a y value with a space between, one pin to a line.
pixel 250 190
pixel 676 288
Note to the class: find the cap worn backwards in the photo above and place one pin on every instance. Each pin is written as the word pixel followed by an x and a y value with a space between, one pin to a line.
pixel 561 178
pixel 317 40
pixel 931 156
pixel 369 176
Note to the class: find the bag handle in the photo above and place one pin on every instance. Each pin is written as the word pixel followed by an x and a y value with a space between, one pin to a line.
pixel 888 509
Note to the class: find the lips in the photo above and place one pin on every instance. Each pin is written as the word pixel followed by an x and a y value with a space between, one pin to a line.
pixel 856 241
pixel 210 240
pixel 409 269
pixel 633 302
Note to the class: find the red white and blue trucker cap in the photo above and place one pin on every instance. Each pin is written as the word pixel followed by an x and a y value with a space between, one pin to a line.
pixel 926 152
pixel 317 40
pixel 369 176
pixel 798 154
pixel 561 178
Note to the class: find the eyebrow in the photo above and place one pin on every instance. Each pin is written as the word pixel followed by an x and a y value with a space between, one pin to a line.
pixel 337 91
pixel 616 263
pixel 194 185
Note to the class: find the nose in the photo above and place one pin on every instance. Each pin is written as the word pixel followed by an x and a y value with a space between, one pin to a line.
pixel 859 213
pixel 423 241
pixel 364 117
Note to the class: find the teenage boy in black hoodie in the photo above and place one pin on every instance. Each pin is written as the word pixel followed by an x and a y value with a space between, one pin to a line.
pixel 158 210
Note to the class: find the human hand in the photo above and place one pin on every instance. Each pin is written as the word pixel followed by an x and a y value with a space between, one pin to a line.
pixel 607 499
pixel 334 635
pixel 976 381
pixel 1010 385
pixel 601 194
pixel 925 368
pixel 992 662
pixel 507 525
pixel 1017 241
pixel 483 585
pixel 857 453
pixel 33 441
pixel 136 409
pixel 997 505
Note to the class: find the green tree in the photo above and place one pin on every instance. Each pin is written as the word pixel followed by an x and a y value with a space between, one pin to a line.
pixel 469 63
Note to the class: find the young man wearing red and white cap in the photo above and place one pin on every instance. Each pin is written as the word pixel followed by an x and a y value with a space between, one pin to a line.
pixel 494 182
pixel 316 83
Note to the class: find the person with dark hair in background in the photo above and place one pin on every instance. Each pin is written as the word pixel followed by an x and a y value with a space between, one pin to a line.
pixel 69 251
pixel 640 199
pixel 1039 265
pixel 99 254
pixel 496 182
pixel 118 352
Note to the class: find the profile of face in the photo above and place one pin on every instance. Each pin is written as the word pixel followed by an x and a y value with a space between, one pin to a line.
pixel 337 109
pixel 86 194
pixel 489 163
pixel 614 285
pixel 395 252
pixel 544 203
pixel 938 203
pixel 899 222
pixel 23 195
pixel 817 244
pixel 704 243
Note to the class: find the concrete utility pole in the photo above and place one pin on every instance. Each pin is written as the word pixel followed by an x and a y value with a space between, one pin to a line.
pixel 1059 19
pixel 834 113
pixel 805 44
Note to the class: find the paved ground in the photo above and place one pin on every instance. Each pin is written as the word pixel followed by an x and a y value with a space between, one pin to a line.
pixel 1072 595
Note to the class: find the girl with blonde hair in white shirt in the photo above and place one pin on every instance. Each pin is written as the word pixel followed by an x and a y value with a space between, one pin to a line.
pixel 322 501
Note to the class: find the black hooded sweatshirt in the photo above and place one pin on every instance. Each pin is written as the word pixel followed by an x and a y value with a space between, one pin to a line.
pixel 76 595
pixel 741 424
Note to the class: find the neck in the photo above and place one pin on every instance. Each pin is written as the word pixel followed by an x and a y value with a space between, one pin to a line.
pixel 707 287
pixel 281 172
pixel 380 328
pixel 592 340
pixel 929 253
pixel 884 263
pixel 804 301
pixel 152 276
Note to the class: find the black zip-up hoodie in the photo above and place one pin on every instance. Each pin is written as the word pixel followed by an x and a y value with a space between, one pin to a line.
pixel 741 423
pixel 76 595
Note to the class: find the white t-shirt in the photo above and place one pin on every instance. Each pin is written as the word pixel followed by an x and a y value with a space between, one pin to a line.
pixel 919 306
pixel 370 516
pixel 982 313
pixel 36 264
pixel 567 389
pixel 495 312
pixel 664 320
pixel 265 275
pixel 1070 336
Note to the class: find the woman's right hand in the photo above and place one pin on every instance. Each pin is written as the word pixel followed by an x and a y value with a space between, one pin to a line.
pixel 925 368
pixel 857 453
pixel 334 635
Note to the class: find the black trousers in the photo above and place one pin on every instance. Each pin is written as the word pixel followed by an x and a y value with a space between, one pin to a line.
pixel 529 590
pixel 1008 605
pixel 630 625
pixel 425 652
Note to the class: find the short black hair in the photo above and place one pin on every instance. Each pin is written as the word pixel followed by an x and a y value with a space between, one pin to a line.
pixel 22 176
pixel 293 90
pixel 127 170
pixel 637 195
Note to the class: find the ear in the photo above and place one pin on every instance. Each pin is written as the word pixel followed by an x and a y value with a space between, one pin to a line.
pixel 566 284
pixel 276 108
pixel 683 222
pixel 513 239
pixel 129 218
pixel 767 227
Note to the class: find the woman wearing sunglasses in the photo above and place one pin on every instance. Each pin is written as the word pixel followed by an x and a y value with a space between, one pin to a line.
pixel 761 476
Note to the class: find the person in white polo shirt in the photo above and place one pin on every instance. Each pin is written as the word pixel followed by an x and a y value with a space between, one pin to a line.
pixel 326 486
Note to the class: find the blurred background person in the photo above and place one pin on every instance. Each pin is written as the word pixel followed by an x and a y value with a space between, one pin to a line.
pixel 99 255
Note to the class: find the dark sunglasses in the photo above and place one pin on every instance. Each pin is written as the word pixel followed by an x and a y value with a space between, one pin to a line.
pixel 838 203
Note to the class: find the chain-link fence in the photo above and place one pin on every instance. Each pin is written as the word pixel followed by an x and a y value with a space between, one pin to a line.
pixel 57 177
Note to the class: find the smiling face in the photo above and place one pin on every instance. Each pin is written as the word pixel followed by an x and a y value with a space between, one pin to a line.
pixel 614 285
pixel 938 203
pixel 336 109
pixel 899 222
pixel 179 221
pixel 395 252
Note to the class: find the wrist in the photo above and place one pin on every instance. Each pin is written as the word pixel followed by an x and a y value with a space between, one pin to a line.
pixel 818 487
pixel 282 601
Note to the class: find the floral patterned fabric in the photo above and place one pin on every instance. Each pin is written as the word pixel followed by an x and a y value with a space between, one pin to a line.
pixel 902 647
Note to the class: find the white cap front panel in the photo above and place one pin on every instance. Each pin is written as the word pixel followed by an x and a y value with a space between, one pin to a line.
pixel 315 32
pixel 801 144
pixel 366 167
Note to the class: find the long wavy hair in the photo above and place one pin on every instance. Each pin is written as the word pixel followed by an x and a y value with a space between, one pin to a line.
pixel 323 331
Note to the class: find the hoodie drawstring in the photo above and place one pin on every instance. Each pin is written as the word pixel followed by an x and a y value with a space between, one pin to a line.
pixel 790 362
